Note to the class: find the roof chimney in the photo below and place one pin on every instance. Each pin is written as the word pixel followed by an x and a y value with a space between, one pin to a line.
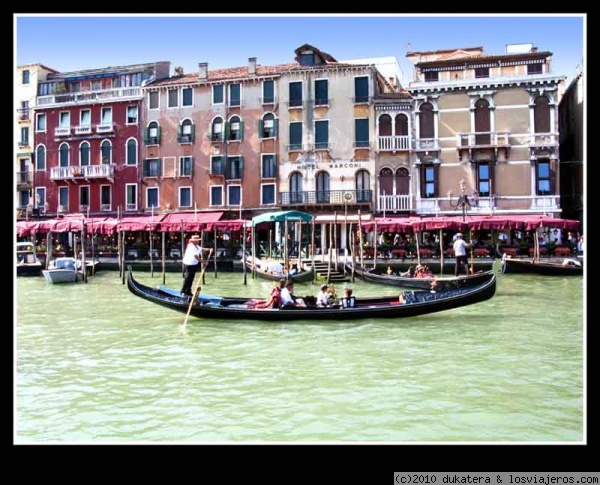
pixel 203 70
pixel 392 81
pixel 252 65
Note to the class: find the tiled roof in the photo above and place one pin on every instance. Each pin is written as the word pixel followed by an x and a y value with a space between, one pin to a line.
pixel 484 57
pixel 38 65
pixel 443 51
pixel 235 73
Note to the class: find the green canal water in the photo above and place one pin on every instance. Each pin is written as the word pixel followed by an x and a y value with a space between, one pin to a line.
pixel 95 364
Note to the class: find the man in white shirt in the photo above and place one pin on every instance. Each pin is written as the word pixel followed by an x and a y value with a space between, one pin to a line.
pixel 323 296
pixel 191 258
pixel 460 253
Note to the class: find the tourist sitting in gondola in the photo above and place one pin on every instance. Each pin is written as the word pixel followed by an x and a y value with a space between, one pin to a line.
pixel 274 300
pixel 287 297
pixel 323 297
pixel 422 272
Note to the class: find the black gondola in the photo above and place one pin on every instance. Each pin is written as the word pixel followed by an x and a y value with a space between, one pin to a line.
pixel 442 282
pixel 567 267
pixel 414 303
pixel 303 276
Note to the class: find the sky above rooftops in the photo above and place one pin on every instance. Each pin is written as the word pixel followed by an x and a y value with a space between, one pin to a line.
pixel 76 41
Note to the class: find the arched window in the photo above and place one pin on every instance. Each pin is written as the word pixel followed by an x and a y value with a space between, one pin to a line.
pixel 482 122
pixel 63 155
pixel 132 151
pixel 84 154
pixel 322 187
pixel 426 126
pixel 216 129
pixel 235 128
pixel 402 181
pixel 40 158
pixel 541 115
pixel 296 191
pixel 186 132
pixel 401 122
pixel 267 127
pixel 363 186
pixel 152 134
pixel 386 181
pixel 106 152
pixel 385 125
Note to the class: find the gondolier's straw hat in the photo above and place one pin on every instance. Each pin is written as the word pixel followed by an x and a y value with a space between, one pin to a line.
pixel 459 234
pixel 195 238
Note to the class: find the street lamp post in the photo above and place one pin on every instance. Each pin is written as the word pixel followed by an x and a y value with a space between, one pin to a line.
pixel 463 201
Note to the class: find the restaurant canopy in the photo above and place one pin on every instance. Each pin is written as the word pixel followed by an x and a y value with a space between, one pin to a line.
pixel 140 223
pixel 282 216
pixel 189 221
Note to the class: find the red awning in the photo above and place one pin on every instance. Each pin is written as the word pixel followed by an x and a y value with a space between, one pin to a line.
pixel 25 228
pixel 389 224
pixel 101 225
pixel 189 221
pixel 140 223
pixel 454 223
pixel 231 225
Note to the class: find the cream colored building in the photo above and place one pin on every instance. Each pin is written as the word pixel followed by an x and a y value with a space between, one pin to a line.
pixel 485 126
pixel 24 100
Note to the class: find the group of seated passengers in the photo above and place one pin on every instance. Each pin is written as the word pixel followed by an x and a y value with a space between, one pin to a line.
pixel 282 296
pixel 421 271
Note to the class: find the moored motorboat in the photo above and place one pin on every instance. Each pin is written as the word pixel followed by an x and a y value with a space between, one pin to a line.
pixel 28 264
pixel 63 270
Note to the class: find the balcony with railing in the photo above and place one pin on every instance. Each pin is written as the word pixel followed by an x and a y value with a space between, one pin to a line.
pixel 296 147
pixel 361 99
pixel 215 136
pixel 543 140
pixel 482 141
pixel 83 130
pixel 24 180
pixel 90 97
pixel 75 172
pixel 268 100
pixel 322 102
pixel 23 114
pixel 330 197
pixel 426 144
pixel 105 128
pixel 62 131
pixel 393 143
pixel 295 103
pixel 485 139
pixel 394 203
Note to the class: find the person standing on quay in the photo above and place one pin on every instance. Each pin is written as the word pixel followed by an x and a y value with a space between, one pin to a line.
pixel 460 253
pixel 191 258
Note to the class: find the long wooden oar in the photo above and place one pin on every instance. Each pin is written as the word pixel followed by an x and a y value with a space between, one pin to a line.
pixel 196 290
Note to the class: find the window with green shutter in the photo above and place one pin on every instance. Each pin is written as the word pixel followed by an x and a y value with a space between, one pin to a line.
pixel 234 168
pixel 152 167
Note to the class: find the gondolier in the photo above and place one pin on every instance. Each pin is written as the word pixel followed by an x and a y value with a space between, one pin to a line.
pixel 191 258
pixel 460 253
